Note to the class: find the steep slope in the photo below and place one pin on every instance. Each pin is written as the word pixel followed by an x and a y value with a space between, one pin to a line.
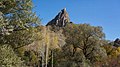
pixel 61 19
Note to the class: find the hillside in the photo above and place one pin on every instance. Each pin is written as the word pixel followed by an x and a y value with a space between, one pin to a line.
pixel 61 43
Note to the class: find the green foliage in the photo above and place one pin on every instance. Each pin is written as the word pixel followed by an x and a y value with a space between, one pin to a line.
pixel 17 30
pixel 16 15
pixel 50 41
pixel 8 58
pixel 30 58
pixel 86 38
pixel 20 51
pixel 18 38
pixel 75 45
pixel 16 26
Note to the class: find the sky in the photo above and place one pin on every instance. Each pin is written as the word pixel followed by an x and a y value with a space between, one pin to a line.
pixel 105 13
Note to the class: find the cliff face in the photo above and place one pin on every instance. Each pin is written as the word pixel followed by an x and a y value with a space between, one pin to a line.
pixel 61 19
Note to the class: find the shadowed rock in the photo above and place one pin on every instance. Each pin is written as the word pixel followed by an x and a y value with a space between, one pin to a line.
pixel 117 42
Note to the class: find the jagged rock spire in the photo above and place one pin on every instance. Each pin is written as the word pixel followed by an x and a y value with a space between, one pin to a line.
pixel 61 19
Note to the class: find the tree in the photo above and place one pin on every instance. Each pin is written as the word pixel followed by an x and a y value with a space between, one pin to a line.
pixel 57 42
pixel 16 15
pixel 52 40
pixel 8 58
pixel 88 39
pixel 45 46
pixel 17 22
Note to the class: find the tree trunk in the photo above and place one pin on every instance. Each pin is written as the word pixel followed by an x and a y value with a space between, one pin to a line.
pixel 42 61
pixel 52 60
pixel 43 55
pixel 46 59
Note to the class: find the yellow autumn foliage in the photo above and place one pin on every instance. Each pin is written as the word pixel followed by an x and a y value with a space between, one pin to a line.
pixel 115 52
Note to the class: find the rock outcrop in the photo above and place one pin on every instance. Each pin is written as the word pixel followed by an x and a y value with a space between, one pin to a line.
pixel 60 20
pixel 117 42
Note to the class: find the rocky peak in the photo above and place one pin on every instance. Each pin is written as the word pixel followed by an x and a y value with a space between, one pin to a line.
pixel 61 19
pixel 117 42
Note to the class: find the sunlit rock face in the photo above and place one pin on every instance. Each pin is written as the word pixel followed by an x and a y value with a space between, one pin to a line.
pixel 61 19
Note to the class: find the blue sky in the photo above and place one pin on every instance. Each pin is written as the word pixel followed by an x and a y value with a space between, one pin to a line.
pixel 105 13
